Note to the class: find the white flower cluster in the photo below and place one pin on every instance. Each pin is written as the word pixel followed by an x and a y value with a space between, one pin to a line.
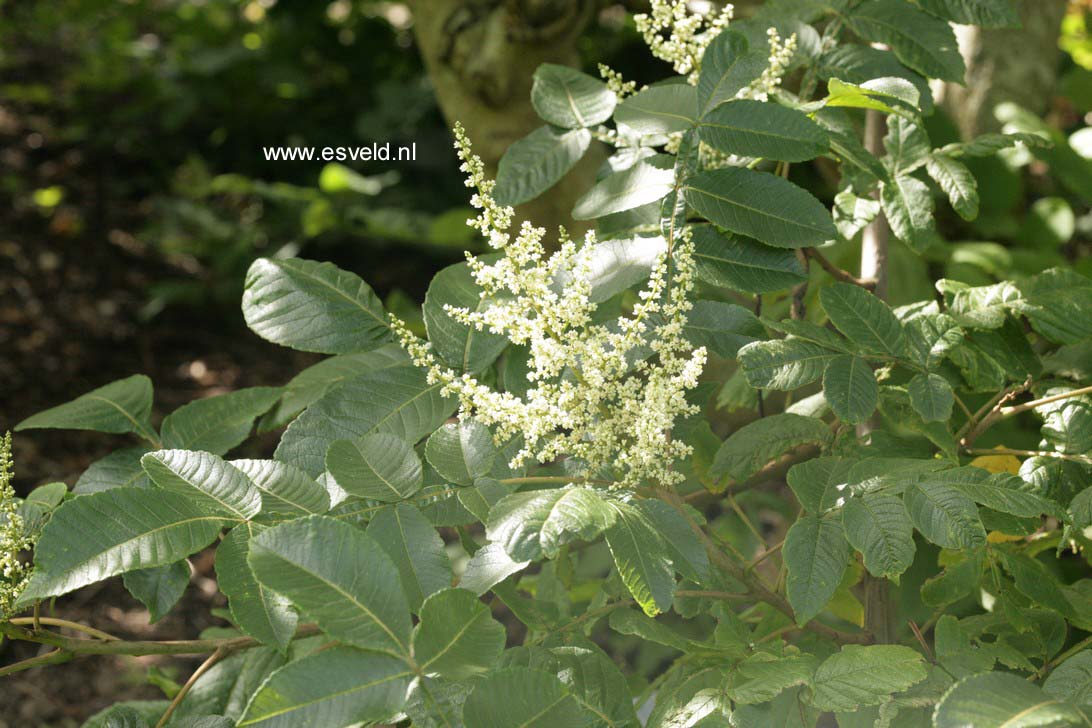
pixel 680 36
pixel 617 83
pixel 781 53
pixel 14 573
pixel 608 394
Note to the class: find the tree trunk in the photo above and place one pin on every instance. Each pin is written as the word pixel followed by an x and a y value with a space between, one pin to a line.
pixel 481 56
pixel 1006 64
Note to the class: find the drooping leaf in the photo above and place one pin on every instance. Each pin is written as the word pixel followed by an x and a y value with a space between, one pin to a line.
pixel 457 637
pixel 878 526
pixel 537 162
pixel 865 675
pixel 100 535
pixel 642 559
pixel 286 491
pixel 568 98
pixel 264 615
pixel 217 424
pixel 921 41
pixel 784 364
pixel 662 109
pixel 1001 700
pixel 816 556
pixel 760 205
pixel 931 396
pixel 743 264
pixel 206 479
pixel 756 129
pixel 336 687
pixel 158 588
pixel 521 697
pixel 318 564
pixel 379 466
pixel 866 321
pixel 944 515
pixel 537 522
pixel 397 401
pixel 850 388
pixel 462 451
pixel 750 447
pixel 312 306
pixel 722 328
pixel 119 407
pixel 728 66
pixel 957 182
pixel 415 549
pixel 646 181
pixel 461 346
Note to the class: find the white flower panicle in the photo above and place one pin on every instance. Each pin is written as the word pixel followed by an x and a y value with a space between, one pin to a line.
pixel 678 35
pixel 604 394
pixel 781 53
pixel 617 83
pixel 14 573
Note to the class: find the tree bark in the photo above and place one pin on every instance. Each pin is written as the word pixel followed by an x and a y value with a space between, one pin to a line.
pixel 1006 64
pixel 481 56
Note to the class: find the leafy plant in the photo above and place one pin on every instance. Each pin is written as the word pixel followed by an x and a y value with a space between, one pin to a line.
pixel 530 518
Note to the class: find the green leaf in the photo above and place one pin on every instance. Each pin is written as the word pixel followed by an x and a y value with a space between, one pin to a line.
pixel 761 677
pixel 118 407
pixel 264 615
pixel 100 535
pixel 957 182
pixel 860 63
pixel 817 483
pixel 745 265
pixel 987 13
pixel 568 98
pixel 158 588
pixel 907 145
pixel 217 424
pixel 416 550
pixel 687 552
pixel 932 397
pixel 722 328
pixel 521 697
pixel 644 182
pixel 922 42
pixel 538 522
pixel 878 526
pixel 642 559
pixel 457 637
pixel 286 490
pixel 339 686
pixel 816 556
pixel 593 680
pixel 616 265
pixel 1055 302
pixel 489 566
pixel 852 213
pixel 1071 681
pixel 397 401
pixel 663 109
pixel 1001 700
pixel 537 162
pixel 859 676
pixel 944 515
pixel 206 479
pixel 866 321
pixel 784 364
pixel 750 447
pixel 318 563
pixel 887 95
pixel 850 388
pixel 311 306
pixel 39 504
pixel 462 451
pixel 762 206
pixel 757 129
pixel 380 466
pixel 728 67
pixel 462 347
pixel 987 145
pixel 119 469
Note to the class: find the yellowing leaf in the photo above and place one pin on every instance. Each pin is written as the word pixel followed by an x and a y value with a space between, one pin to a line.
pixel 998 463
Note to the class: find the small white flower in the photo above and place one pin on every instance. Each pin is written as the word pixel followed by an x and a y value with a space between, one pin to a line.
pixel 14 573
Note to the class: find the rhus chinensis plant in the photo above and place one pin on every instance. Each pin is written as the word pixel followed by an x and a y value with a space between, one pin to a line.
pixel 684 471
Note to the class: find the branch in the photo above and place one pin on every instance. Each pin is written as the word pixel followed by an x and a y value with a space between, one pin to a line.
pixel 774 470
pixel 204 667
pixel 988 413
pixel 837 273
pixel 54 622
pixel 1017 409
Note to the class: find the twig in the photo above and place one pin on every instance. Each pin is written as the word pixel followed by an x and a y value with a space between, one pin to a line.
pixel 1017 409
pixel 54 657
pixel 774 470
pixel 765 554
pixel 837 273
pixel 984 418
pixel 1050 664
pixel 204 667
pixel 921 641
pixel 35 622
